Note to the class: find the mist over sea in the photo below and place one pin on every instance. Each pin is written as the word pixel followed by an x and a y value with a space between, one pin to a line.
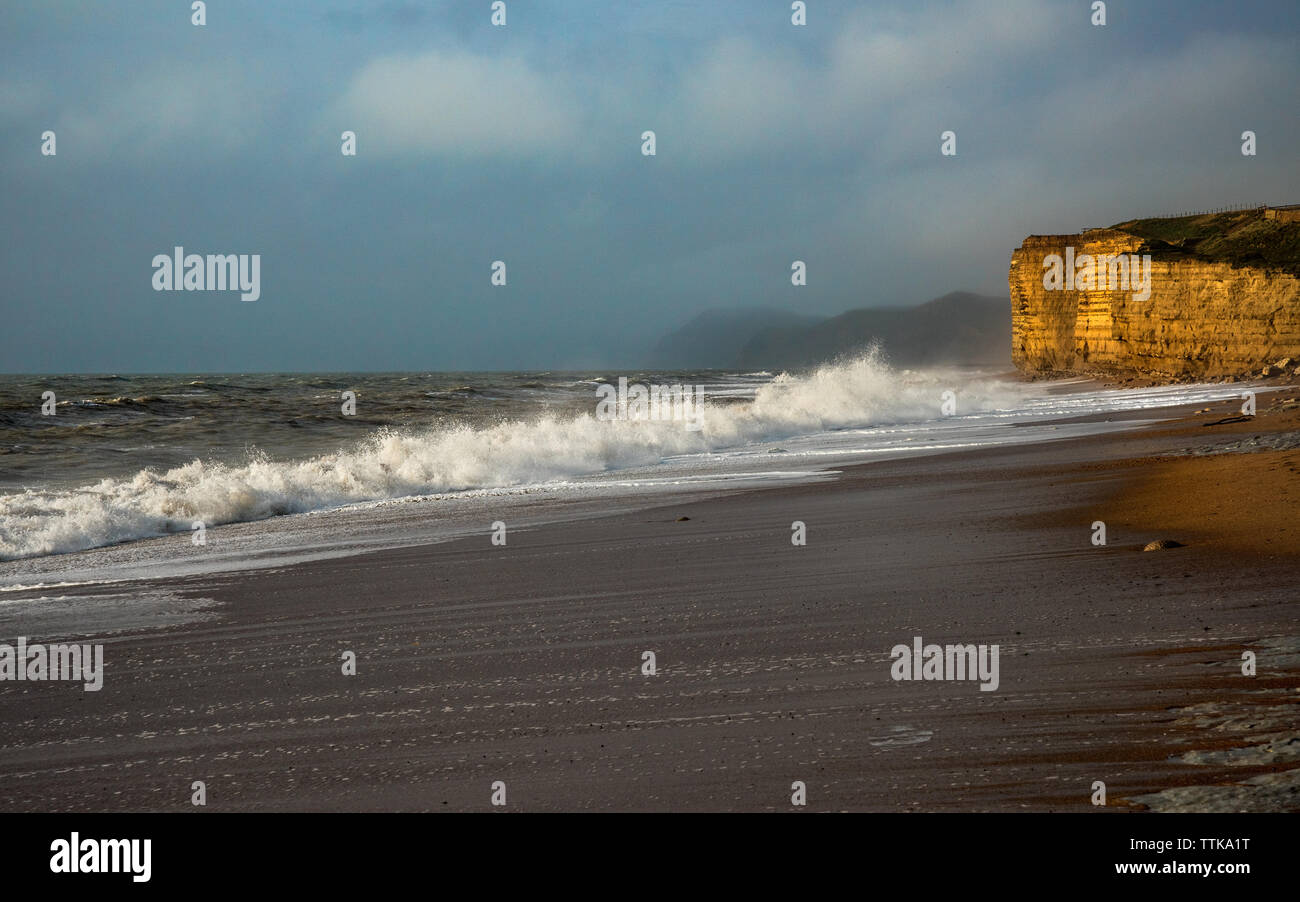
pixel 132 457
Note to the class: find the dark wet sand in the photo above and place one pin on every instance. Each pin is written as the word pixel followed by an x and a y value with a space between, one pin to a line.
pixel 522 664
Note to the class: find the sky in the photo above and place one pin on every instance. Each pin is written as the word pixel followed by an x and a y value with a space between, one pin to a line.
pixel 523 143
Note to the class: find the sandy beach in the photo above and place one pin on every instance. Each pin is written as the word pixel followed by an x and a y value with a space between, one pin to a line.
pixel 523 663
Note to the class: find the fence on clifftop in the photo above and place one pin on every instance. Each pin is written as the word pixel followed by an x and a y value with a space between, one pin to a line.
pixel 1214 210
pixel 1269 211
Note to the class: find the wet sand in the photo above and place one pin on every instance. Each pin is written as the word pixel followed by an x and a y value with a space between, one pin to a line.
pixel 478 663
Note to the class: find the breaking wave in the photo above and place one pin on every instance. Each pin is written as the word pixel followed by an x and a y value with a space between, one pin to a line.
pixel 856 392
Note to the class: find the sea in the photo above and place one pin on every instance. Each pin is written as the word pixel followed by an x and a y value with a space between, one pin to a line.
pixel 127 477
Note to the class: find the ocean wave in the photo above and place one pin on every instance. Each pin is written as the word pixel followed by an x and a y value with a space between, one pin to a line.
pixel 390 463
pixel 99 403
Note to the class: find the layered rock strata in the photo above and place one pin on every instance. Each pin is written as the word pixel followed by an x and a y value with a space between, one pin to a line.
pixel 1218 305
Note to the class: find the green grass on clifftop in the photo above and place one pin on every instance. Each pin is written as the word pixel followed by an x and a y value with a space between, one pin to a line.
pixel 1240 238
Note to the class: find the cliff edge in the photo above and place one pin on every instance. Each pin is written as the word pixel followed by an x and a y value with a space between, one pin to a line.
pixel 1195 297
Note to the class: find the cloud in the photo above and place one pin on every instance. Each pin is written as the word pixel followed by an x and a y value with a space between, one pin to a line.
pixel 194 111
pixel 741 99
pixel 877 59
pixel 458 104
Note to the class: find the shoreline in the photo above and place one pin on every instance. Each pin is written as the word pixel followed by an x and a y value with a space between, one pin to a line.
pixel 399 521
pixel 522 663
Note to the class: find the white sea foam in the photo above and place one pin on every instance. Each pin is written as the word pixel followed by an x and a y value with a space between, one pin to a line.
pixel 857 392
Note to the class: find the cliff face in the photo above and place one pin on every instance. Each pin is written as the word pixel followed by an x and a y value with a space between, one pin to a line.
pixel 1224 298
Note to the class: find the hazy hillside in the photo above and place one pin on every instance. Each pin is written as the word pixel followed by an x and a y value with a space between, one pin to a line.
pixel 715 338
pixel 958 328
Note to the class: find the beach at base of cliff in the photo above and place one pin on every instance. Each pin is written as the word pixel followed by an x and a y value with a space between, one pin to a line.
pixel 525 664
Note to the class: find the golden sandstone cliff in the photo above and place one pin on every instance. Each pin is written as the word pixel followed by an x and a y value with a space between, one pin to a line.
pixel 1199 297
